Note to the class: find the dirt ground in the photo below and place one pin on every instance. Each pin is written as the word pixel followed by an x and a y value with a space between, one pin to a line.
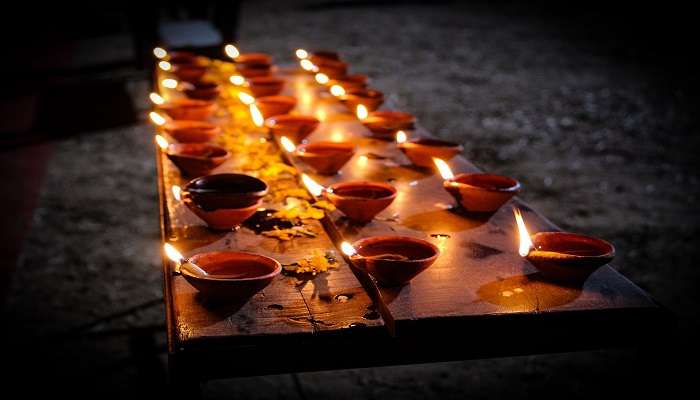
pixel 603 145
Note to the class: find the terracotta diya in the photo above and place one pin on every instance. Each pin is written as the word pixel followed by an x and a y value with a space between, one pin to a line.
pixel 185 131
pixel 294 127
pixel 224 201
pixel 325 157
pixel 350 82
pixel 384 124
pixel 265 86
pixel 334 69
pixel 369 98
pixel 318 56
pixel 189 109
pixel 275 105
pixel 196 159
pixel 361 200
pixel 421 151
pixel 203 90
pixel 478 192
pixel 251 65
pixel 392 260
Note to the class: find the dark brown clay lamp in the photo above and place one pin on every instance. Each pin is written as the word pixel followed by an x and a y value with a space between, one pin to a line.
pixel 188 109
pixel 270 106
pixel 392 260
pixel 185 131
pixel 360 201
pixel 193 159
pixel 294 127
pixel 326 158
pixel 265 86
pixel 202 90
pixel 562 256
pixel 477 192
pixel 226 275
pixel 371 99
pixel 421 151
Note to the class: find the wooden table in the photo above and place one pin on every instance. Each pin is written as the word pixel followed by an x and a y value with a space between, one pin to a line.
pixel 480 299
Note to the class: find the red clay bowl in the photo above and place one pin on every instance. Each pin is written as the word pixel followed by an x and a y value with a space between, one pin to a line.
pixel 394 260
pixel 189 109
pixel 294 127
pixel 275 105
pixel 265 86
pixel 196 159
pixel 422 150
pixel 482 192
pixel 256 272
pixel 253 59
pixel 185 131
pixel 569 257
pixel 219 191
pixel 203 91
pixel 326 157
pixel 350 82
pixel 334 69
pixel 359 200
pixel 188 72
pixel 369 98
pixel 384 124
pixel 254 70
pixel 221 219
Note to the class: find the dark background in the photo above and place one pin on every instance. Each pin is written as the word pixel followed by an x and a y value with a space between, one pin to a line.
pixel 593 106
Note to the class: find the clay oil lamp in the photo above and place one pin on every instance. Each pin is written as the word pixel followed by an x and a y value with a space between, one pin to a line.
pixel 360 201
pixel 319 56
pixel 188 109
pixel 203 90
pixel 294 127
pixel 225 275
pixel 350 82
pixel 265 86
pixel 564 257
pixel 275 105
pixel 190 71
pixel 392 260
pixel 185 131
pixel 224 201
pixel 326 158
pixel 249 65
pixel 477 192
pixel 385 124
pixel 369 98
pixel 193 159
pixel 334 69
pixel 421 151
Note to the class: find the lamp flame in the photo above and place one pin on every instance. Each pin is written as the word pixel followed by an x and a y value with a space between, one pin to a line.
pixel 301 54
pixel 525 241
pixel 237 80
pixel 287 144
pixel 307 65
pixel 444 169
pixel 400 137
pixel 173 254
pixel 245 98
pixel 169 83
pixel 361 111
pixel 348 249
pixel 157 118
pixel 313 187
pixel 165 66
pixel 322 78
pixel 177 192
pixel 231 51
pixel 337 90
pixel 159 52
pixel 156 99
pixel 162 142
pixel 257 116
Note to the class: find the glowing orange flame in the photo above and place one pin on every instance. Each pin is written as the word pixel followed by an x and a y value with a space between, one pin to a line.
pixel 237 80
pixel 322 78
pixel 177 192
pixel 362 160
pixel 287 144
pixel 301 54
pixel 307 65
pixel 159 52
pixel 156 99
pixel 169 83
pixel 172 253
pixel 525 241
pixel 348 249
pixel 400 137
pixel 157 118
pixel 337 90
pixel 231 51
pixel 314 188
pixel 162 142
pixel 165 66
pixel 257 116
pixel 444 169
pixel 245 98
pixel 361 111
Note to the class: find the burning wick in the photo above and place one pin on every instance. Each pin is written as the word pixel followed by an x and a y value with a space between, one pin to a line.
pixel 231 51
pixel 301 54
pixel 287 144
pixel 307 65
pixel 237 80
pixel 245 98
pixel 525 241
pixel 182 262
pixel 444 169
pixel 322 78
pixel 162 142
pixel 165 66
pixel 401 137
pixel 157 118
pixel 156 99
pixel 313 187
pixel 159 52
pixel 169 83
pixel 177 192
pixel 348 250
pixel 257 116
pixel 337 90
pixel 361 111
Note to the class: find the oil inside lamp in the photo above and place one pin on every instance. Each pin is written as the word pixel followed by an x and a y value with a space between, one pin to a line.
pixel 314 188
pixel 308 65
pixel 169 83
pixel 361 112
pixel 237 80
pixel 177 192
pixel 337 90
pixel 525 241
pixel 245 98
pixel 165 66
pixel 257 116
pixel 231 51
pixel 157 118
pixel 301 54
pixel 156 99
pixel 159 52
pixel 287 144
pixel 322 78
